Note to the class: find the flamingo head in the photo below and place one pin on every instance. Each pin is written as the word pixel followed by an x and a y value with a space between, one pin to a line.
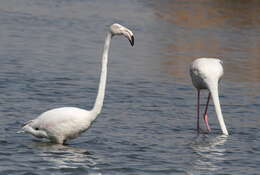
pixel 117 29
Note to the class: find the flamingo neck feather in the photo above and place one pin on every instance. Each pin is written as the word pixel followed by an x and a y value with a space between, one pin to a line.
pixel 213 88
pixel 103 77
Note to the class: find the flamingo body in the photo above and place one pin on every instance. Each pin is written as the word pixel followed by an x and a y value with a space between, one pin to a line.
pixel 62 124
pixel 206 74
pixel 205 71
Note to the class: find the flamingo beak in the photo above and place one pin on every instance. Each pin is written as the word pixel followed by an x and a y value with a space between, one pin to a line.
pixel 132 40
pixel 129 35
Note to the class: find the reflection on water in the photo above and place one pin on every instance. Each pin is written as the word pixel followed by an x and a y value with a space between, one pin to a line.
pixel 225 29
pixel 210 154
pixel 50 57
pixel 211 13
pixel 63 156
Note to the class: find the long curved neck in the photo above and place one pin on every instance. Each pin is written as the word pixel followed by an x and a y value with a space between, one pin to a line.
pixel 103 77
pixel 213 88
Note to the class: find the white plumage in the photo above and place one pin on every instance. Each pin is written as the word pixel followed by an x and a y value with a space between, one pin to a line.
pixel 62 124
pixel 206 74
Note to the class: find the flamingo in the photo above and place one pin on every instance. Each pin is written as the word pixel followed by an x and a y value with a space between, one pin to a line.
pixel 62 124
pixel 206 74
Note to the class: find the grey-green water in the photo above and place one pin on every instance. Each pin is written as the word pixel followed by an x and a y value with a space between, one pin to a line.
pixel 50 53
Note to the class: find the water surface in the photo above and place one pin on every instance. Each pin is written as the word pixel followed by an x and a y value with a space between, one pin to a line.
pixel 50 53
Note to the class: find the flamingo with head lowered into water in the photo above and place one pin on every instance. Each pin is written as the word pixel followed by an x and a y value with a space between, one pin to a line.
pixel 206 74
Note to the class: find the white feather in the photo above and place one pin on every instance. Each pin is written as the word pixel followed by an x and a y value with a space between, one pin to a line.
pixel 206 74
pixel 62 124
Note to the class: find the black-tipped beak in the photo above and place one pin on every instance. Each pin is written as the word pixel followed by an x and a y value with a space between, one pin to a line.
pixel 132 40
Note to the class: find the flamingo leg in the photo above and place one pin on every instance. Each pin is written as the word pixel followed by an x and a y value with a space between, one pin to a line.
pixel 205 116
pixel 198 111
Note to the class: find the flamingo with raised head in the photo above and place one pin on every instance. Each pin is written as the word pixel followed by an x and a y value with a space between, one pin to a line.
pixel 62 124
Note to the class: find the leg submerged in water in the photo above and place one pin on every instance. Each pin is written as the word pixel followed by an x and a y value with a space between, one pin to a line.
pixel 205 116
